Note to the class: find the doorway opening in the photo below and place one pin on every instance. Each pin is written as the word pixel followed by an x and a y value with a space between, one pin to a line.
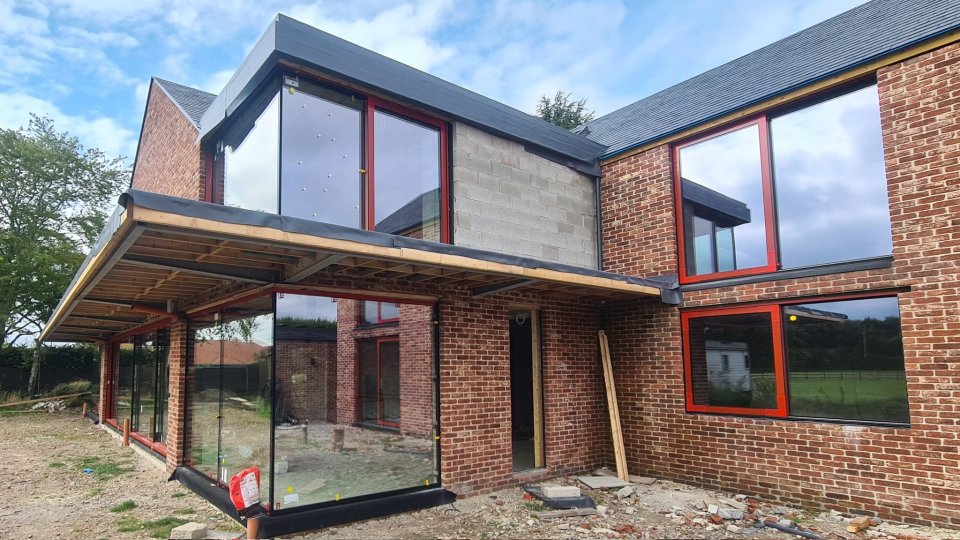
pixel 526 390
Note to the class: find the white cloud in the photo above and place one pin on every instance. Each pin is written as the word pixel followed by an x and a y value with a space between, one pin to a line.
pixel 94 132
pixel 403 32
pixel 216 81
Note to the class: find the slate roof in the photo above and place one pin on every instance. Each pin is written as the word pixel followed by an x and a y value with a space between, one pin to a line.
pixel 411 214
pixel 855 37
pixel 192 102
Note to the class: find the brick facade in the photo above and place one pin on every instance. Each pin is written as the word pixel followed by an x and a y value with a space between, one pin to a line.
pixel 306 373
pixel 905 474
pixel 169 159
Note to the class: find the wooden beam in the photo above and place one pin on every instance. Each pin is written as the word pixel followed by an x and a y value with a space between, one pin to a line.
pixel 537 361
pixel 313 267
pixel 488 290
pixel 248 275
pixel 202 226
pixel 619 451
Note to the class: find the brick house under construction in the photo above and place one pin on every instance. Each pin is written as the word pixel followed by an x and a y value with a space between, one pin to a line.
pixel 385 290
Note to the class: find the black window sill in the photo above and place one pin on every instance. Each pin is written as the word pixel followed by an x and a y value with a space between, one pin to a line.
pixel 811 420
pixel 374 326
pixel 873 263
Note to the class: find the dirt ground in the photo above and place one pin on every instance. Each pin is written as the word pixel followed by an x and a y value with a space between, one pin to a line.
pixel 48 495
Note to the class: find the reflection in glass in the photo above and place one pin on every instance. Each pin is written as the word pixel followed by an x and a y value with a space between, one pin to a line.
pixel 250 157
pixel 407 191
pixel 355 404
pixel 846 360
pixel 321 157
pixel 830 181
pixel 732 362
pixel 380 312
pixel 231 371
pixel 723 210
pixel 125 382
pixel 145 355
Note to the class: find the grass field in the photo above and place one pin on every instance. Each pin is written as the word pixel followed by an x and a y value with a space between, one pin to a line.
pixel 844 395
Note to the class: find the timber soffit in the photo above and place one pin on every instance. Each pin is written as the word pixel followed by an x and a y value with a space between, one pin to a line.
pixel 159 254
pixel 860 36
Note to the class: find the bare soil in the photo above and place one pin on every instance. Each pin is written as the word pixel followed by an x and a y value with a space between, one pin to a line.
pixel 47 494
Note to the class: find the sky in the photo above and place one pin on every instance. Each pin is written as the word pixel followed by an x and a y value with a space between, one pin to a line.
pixel 87 63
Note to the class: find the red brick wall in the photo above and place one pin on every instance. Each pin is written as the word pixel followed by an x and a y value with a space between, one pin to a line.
pixel 176 416
pixel 168 158
pixel 414 331
pixel 902 474
pixel 312 395
pixel 475 416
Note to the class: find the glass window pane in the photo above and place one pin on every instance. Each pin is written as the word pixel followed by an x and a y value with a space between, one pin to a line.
pixel 163 385
pixel 250 159
pixel 203 389
pixel 246 352
pixel 846 360
pixel 355 403
pixel 125 365
pixel 407 177
pixel 732 362
pixel 830 181
pixel 721 185
pixel 321 156
pixel 389 311
pixel 146 373
pixel 371 312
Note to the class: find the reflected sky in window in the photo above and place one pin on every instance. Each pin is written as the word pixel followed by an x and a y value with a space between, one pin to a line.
pixel 830 181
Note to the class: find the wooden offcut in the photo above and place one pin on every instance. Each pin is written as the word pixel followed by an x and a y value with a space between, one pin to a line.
pixel 617 434
pixel 538 457
pixel 858 524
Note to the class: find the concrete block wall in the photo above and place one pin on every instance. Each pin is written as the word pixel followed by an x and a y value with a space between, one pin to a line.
pixel 511 201
pixel 900 473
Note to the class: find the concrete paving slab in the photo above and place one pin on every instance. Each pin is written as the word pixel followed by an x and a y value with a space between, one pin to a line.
pixel 603 482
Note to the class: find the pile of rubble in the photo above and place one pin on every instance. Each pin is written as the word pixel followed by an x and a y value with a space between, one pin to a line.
pixel 53 406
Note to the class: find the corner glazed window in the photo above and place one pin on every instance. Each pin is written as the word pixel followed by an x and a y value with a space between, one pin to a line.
pixel 321 153
pixel 800 188
pixel 837 360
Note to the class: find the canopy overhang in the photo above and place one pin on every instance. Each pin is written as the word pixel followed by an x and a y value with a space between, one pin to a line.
pixel 162 257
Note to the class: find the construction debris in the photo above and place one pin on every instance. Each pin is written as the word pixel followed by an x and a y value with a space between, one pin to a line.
pixel 858 524
pixel 573 512
pixel 602 482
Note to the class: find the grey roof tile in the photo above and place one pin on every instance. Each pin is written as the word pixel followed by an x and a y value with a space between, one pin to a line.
pixel 855 37
pixel 192 102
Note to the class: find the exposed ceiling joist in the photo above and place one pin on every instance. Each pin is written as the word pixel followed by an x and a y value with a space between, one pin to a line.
pixel 249 275
pixel 488 290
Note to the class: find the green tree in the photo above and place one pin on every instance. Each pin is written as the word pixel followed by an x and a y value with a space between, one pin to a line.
pixel 55 197
pixel 563 111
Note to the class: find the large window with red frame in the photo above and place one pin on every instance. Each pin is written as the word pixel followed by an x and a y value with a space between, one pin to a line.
pixel 836 359
pixel 143 385
pixel 321 153
pixel 803 187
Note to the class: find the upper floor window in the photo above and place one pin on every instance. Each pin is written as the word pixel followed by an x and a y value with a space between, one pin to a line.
pixel 314 152
pixel 379 312
pixel 801 188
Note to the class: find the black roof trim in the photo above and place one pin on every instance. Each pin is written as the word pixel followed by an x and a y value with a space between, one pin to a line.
pixel 853 38
pixel 295 43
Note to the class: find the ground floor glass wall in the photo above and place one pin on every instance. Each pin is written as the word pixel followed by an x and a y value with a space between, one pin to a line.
pixel 142 382
pixel 352 403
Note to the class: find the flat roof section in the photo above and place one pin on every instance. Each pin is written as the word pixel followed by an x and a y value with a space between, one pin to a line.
pixel 160 254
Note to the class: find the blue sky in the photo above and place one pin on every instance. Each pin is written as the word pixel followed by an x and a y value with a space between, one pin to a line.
pixel 87 63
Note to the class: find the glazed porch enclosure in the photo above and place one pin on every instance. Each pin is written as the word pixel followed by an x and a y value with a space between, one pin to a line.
pixel 233 338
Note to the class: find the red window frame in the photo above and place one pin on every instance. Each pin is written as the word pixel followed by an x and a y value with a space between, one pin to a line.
pixel 160 447
pixel 362 315
pixel 766 182
pixel 369 180
pixel 213 171
pixel 779 365
pixel 775 309
pixel 379 420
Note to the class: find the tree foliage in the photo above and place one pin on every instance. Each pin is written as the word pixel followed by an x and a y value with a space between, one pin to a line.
pixel 55 197
pixel 564 111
